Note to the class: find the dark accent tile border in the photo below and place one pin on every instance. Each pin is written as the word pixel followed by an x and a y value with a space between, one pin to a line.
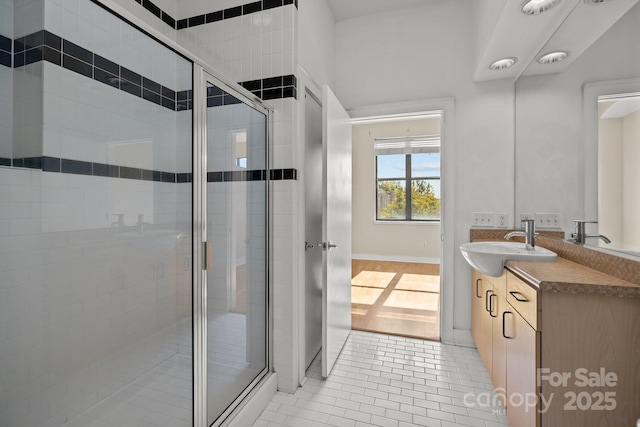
pixel 44 45
pixel 79 167
pixel 273 87
pixel 232 12
pixel 252 175
pixel 6 51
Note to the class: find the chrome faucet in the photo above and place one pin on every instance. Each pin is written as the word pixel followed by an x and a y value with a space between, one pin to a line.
pixel 580 236
pixel 529 234
pixel 119 222
pixel 141 224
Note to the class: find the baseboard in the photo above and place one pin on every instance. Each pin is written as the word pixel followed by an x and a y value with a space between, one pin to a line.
pixel 256 403
pixel 417 260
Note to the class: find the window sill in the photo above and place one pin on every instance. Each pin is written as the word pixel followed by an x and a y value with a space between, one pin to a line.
pixel 421 223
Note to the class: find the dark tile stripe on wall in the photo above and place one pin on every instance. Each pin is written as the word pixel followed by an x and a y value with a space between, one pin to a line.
pixel 218 15
pixel 46 46
pixel 5 51
pixel 252 175
pixel 79 167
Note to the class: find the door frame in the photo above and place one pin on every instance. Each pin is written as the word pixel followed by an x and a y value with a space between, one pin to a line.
pixel 447 173
pixel 306 84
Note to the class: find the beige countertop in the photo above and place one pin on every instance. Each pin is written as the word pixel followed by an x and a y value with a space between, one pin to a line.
pixel 564 276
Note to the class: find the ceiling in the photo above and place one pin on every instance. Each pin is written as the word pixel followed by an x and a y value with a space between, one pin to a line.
pixel 505 31
pixel 347 9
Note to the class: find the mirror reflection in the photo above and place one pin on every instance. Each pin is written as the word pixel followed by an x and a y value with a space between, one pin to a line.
pixel 578 134
pixel 618 172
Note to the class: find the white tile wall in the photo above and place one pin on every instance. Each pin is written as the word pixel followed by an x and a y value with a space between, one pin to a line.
pixel 6 85
pixel 247 47
pixel 84 310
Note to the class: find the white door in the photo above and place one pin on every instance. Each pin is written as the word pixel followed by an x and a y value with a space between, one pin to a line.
pixel 336 229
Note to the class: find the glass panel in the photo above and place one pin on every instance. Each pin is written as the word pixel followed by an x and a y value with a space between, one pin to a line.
pixel 391 199
pixel 236 226
pixel 95 246
pixel 425 165
pixel 392 166
pixel 425 199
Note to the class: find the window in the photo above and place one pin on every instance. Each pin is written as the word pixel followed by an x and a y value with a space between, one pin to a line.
pixel 408 163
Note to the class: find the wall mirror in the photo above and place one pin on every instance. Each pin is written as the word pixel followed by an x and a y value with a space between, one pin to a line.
pixel 577 132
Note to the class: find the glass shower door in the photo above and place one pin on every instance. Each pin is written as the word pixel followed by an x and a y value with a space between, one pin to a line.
pixel 237 235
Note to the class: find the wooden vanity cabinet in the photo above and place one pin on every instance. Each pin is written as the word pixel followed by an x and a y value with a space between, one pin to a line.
pixel 508 345
pixel 522 333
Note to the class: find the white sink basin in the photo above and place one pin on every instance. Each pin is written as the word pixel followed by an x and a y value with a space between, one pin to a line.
pixel 489 257
pixel 152 240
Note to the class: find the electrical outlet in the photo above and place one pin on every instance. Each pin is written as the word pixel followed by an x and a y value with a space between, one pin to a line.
pixel 547 220
pixel 502 220
pixel 482 219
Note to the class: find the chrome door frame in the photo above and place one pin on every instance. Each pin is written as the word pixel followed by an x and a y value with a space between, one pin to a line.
pixel 200 78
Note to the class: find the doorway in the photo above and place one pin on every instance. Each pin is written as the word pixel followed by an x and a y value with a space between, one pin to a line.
pixel 397 225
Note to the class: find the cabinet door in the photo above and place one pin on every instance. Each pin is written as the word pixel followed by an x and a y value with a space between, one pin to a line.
pixel 480 320
pixel 498 305
pixel 523 349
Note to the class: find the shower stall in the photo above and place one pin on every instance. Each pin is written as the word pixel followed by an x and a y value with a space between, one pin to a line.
pixel 133 226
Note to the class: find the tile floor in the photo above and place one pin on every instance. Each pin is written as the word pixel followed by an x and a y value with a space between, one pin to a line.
pixel 390 381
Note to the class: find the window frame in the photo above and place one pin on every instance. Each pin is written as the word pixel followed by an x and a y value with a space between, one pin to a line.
pixel 408 180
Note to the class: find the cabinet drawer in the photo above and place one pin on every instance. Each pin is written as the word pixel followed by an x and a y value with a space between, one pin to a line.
pixel 523 298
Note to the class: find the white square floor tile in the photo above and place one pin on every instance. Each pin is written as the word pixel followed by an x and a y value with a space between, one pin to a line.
pixel 389 381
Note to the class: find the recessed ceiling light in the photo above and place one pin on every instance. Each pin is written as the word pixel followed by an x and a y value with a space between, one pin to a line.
pixel 551 57
pixel 501 64
pixel 535 7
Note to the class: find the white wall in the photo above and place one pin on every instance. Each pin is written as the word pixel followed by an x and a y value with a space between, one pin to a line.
pixel 610 177
pixel 380 240
pixel 427 53
pixel 316 39
pixel 549 123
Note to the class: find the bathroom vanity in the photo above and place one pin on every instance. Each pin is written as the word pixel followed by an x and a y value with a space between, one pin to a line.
pixel 561 342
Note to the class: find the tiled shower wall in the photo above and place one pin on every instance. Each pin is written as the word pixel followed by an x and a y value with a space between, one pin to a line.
pixel 86 303
pixel 6 79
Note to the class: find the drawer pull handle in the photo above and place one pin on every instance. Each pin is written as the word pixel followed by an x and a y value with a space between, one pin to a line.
pixel 478 294
pixel 504 323
pixel 491 304
pixel 487 300
pixel 518 296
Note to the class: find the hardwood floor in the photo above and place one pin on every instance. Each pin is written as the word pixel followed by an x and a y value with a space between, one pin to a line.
pixel 396 298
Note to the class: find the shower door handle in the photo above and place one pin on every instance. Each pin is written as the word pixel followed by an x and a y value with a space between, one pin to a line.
pixel 207 255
